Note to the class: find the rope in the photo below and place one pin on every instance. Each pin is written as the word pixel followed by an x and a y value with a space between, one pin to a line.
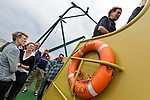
pixel 74 97
pixel 57 28
pixel 67 82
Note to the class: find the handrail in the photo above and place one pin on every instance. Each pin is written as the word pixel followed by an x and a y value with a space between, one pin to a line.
pixel 101 62
pixel 54 84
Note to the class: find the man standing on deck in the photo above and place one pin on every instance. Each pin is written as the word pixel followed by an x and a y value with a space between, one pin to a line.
pixel 51 70
pixel 107 24
pixel 37 53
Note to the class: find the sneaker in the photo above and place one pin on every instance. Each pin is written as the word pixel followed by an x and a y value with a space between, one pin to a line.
pixel 36 93
pixel 6 96
pixel 14 97
pixel 24 90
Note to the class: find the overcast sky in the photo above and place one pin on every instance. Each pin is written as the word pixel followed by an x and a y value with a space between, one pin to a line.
pixel 35 17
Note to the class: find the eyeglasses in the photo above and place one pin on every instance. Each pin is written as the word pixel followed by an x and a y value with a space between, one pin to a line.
pixel 61 57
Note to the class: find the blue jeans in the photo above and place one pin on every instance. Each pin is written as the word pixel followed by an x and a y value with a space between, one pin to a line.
pixel 41 90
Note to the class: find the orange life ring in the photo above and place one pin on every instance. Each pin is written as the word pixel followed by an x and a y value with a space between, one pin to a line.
pixel 102 77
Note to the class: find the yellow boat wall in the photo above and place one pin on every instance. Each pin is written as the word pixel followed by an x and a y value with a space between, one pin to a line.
pixel 131 49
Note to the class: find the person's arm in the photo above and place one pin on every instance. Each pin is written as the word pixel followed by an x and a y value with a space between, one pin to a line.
pixel 47 67
pixel 102 26
pixel 38 59
pixel 23 66
pixel 32 63
pixel 13 57
pixel 103 30
pixel 143 2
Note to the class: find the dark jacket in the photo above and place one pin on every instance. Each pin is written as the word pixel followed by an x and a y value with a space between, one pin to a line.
pixel 37 59
pixel 44 61
pixel 29 61
pixel 107 23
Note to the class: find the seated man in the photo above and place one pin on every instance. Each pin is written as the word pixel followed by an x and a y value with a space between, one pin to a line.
pixel 107 24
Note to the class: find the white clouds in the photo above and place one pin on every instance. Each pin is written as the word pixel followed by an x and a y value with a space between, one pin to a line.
pixel 35 17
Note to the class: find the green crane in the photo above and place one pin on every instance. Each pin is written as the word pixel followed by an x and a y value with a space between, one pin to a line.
pixel 61 20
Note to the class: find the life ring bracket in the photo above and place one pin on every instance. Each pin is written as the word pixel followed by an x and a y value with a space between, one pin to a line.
pixel 79 68
pixel 95 61
pixel 101 62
